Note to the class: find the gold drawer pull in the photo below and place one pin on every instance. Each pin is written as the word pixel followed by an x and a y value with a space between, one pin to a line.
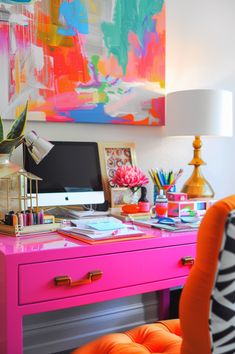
pixel 66 280
pixel 188 260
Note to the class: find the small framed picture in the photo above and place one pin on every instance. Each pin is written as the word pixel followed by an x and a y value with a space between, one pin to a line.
pixel 117 196
pixel 113 155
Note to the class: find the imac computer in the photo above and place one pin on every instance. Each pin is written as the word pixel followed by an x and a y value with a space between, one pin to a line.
pixel 70 174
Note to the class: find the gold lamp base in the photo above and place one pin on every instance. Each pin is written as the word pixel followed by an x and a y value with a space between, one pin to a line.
pixel 197 186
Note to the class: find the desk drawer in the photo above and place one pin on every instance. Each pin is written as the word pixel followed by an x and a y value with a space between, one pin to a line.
pixel 119 270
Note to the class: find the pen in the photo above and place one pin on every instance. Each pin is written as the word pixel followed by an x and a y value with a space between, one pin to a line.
pixel 161 178
pixel 170 179
pixel 164 180
pixel 174 181
pixel 151 175
pixel 157 182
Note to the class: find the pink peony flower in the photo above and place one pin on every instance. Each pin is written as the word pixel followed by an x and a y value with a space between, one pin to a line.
pixel 129 176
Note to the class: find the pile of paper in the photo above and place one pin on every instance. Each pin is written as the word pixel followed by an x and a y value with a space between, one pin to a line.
pixel 95 229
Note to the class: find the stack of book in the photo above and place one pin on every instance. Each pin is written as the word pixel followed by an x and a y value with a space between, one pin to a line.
pixel 132 216
pixel 100 231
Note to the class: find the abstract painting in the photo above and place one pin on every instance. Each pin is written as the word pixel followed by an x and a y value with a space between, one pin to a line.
pixel 84 61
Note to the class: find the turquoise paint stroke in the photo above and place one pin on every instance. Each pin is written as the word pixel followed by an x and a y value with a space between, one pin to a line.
pixel 75 16
pixel 129 16
pixel 95 115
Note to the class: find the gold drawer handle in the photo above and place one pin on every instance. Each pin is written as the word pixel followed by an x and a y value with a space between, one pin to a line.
pixel 188 260
pixel 66 280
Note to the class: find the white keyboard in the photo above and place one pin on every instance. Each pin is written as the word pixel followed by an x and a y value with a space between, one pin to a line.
pixel 87 213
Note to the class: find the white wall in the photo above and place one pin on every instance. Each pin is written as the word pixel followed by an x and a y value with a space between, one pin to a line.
pixel 200 53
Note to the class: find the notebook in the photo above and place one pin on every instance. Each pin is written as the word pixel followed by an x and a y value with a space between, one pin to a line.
pixel 122 235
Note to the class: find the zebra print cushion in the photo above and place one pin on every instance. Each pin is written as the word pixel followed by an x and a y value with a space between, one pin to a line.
pixel 222 303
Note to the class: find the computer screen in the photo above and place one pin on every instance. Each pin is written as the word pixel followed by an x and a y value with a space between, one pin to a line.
pixel 71 174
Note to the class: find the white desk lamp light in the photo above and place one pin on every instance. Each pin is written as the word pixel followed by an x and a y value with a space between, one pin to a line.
pixel 37 146
pixel 199 112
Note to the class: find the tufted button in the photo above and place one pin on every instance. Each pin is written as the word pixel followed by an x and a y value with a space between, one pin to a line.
pixel 161 337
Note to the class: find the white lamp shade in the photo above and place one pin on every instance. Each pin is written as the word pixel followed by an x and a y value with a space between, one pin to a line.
pixel 199 112
pixel 37 146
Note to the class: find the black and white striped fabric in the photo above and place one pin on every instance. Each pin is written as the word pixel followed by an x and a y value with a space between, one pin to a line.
pixel 222 303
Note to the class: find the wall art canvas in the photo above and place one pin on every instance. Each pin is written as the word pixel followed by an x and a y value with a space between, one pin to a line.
pixel 84 61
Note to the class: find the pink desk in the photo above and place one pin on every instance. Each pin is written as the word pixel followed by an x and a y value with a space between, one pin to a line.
pixel 30 264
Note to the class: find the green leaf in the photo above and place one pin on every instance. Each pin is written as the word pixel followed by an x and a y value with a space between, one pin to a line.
pixel 1 130
pixel 18 125
pixel 8 145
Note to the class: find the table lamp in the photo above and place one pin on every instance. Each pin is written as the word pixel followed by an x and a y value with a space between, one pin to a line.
pixel 37 146
pixel 199 112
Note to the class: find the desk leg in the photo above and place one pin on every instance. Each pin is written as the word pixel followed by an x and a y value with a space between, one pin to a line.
pixel 15 337
pixel 164 304
pixel 11 338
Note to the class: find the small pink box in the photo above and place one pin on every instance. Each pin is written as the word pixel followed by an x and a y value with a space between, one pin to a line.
pixel 176 197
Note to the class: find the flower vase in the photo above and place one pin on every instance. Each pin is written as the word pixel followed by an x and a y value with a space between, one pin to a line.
pixel 7 168
pixel 131 196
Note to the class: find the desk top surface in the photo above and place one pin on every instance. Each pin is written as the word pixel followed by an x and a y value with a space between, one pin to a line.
pixel 47 242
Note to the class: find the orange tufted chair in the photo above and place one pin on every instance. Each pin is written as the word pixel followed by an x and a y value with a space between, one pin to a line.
pixel 207 305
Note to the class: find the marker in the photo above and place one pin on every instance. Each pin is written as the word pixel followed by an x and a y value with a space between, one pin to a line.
pixel 8 219
pixel 14 220
pixel 29 218
pixel 41 216
pixel 38 217
pixel 34 218
pixel 24 216
pixel 20 219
